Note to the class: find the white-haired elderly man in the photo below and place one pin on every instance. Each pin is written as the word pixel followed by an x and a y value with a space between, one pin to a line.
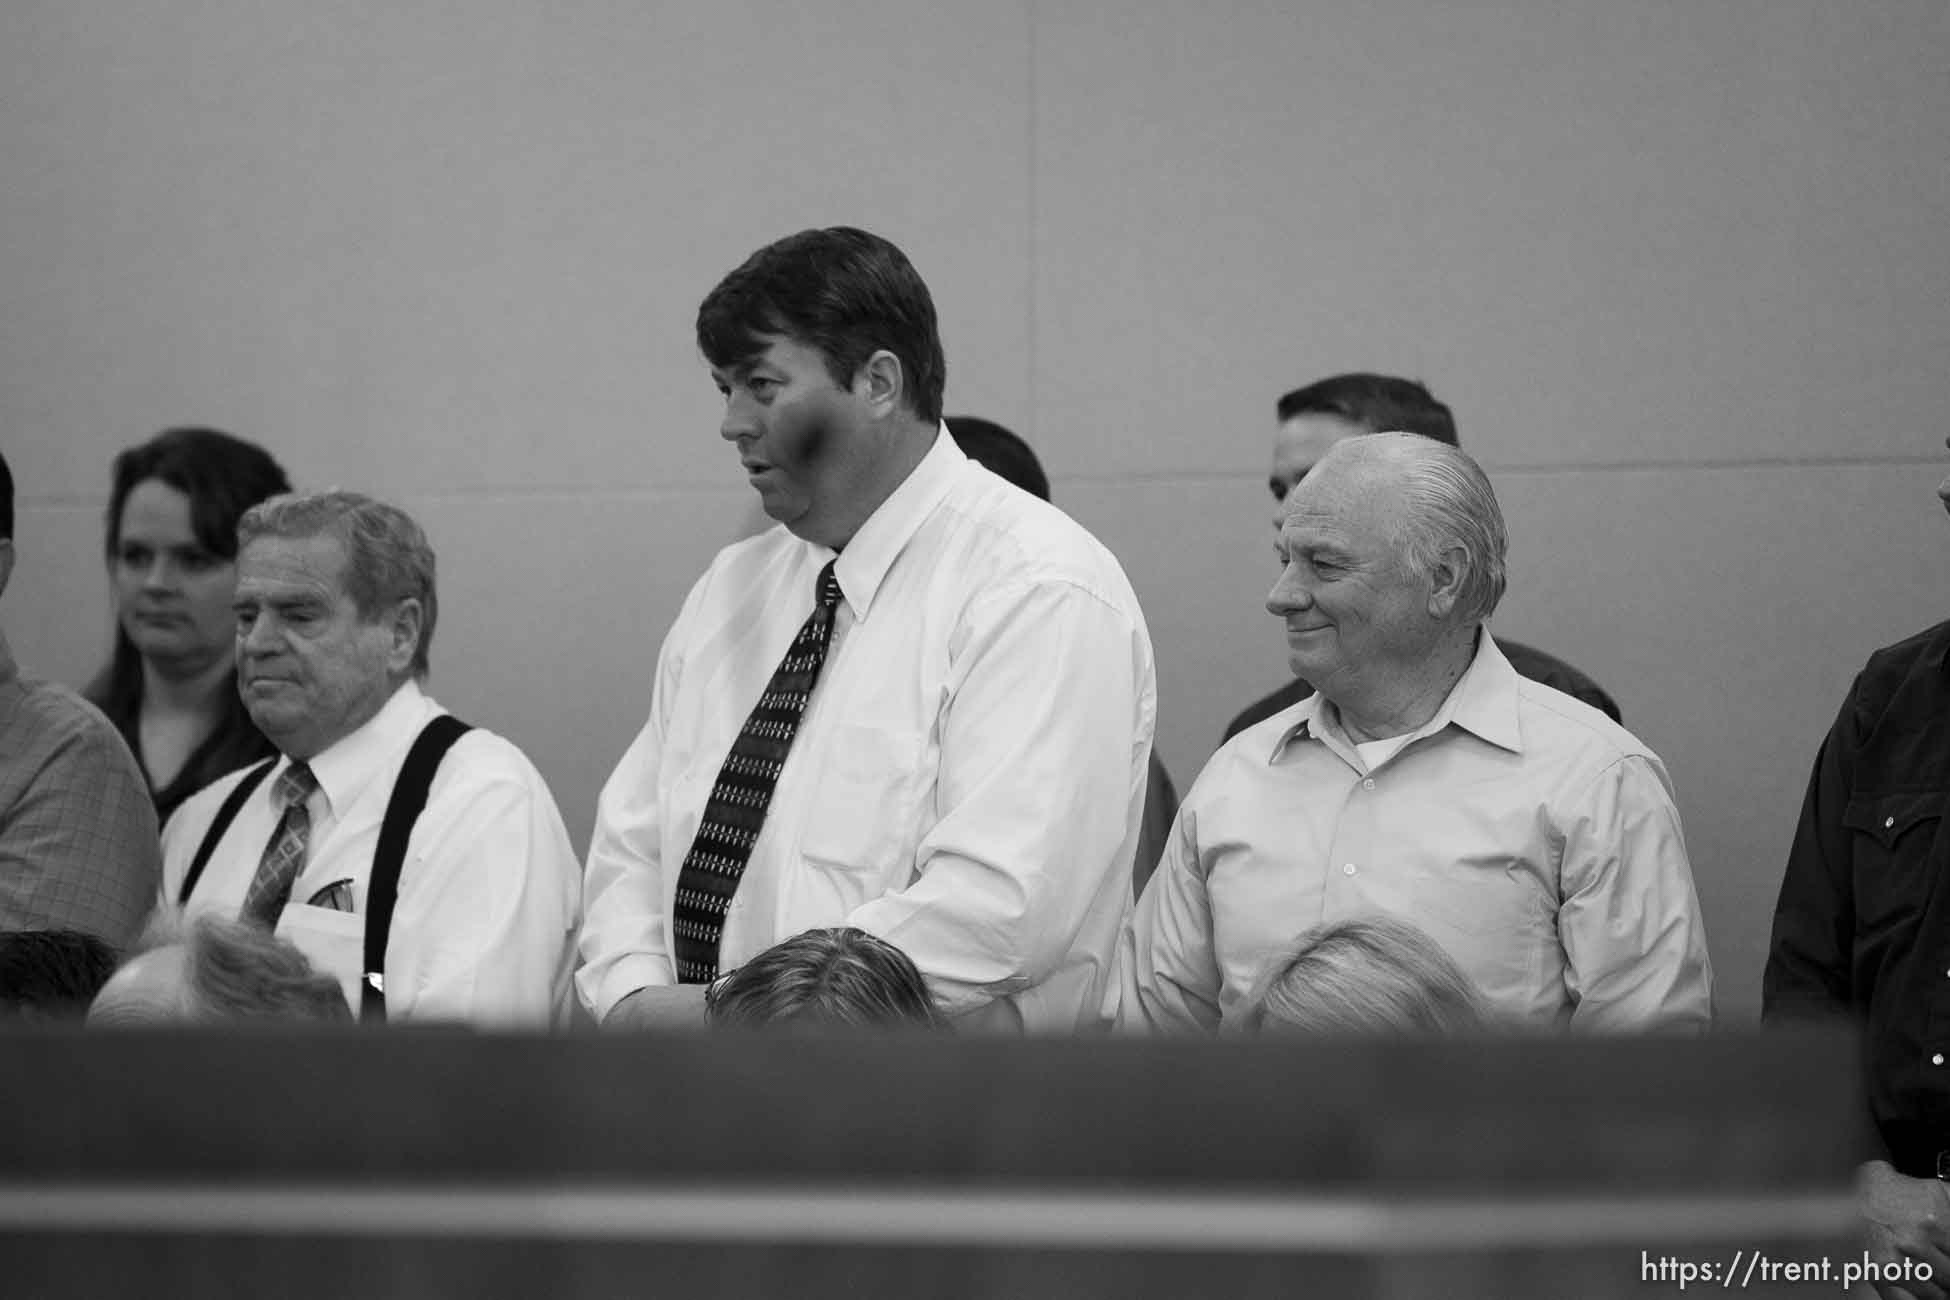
pixel 1533 838
pixel 421 862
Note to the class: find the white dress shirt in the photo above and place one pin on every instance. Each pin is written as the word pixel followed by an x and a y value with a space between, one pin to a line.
pixel 967 781
pixel 1533 838
pixel 484 927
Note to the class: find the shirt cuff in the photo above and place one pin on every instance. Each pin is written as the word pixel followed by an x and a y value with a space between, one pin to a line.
pixel 622 977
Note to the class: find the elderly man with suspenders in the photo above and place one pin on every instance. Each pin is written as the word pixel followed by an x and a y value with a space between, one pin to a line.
pixel 420 860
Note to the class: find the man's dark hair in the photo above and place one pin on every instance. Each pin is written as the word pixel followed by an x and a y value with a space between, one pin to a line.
pixel 844 291
pixel 1001 452
pixel 841 976
pixel 6 501
pixel 51 974
pixel 1378 403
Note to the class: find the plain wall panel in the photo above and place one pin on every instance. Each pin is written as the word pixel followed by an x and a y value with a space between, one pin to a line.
pixel 456 247
pixel 565 669
pixel 55 611
pixel 1605 233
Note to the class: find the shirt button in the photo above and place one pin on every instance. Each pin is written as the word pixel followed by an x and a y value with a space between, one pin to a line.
pixel 1368 784
pixel 1937 1059
pixel 1349 868
pixel 1887 822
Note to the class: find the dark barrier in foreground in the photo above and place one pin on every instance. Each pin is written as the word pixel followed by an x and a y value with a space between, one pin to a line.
pixel 417 1164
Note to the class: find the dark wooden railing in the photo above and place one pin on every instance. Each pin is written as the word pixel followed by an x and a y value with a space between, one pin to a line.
pixel 444 1163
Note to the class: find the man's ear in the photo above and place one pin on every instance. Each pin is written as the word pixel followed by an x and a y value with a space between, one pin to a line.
pixel 6 562
pixel 1446 581
pixel 880 383
pixel 404 625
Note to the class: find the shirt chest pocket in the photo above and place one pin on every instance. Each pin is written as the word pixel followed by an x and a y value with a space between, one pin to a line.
pixel 334 941
pixel 865 804
pixel 1892 838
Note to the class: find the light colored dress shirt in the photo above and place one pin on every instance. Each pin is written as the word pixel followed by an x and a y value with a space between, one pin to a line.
pixel 78 847
pixel 1533 838
pixel 967 781
pixel 484 927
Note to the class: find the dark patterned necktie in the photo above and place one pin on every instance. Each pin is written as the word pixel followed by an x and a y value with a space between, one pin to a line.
pixel 284 856
pixel 735 812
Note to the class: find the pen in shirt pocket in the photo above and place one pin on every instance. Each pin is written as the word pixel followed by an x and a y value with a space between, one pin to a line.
pixel 337 896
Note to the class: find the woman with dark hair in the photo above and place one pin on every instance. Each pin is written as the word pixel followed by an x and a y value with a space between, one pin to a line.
pixel 171 685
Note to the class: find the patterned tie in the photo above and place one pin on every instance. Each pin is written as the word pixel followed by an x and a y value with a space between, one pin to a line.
pixel 285 854
pixel 735 811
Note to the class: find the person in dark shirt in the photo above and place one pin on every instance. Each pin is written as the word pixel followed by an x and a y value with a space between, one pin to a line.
pixel 170 685
pixel 1314 418
pixel 1862 928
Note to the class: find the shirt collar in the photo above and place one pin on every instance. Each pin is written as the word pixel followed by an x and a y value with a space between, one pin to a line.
pixel 1484 702
pixel 346 766
pixel 863 565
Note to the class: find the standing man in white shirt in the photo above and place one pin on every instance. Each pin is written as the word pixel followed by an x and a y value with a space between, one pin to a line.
pixel 335 614
pixel 922 705
pixel 1533 838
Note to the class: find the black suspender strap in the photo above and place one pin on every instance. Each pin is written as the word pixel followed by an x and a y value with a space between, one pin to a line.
pixel 226 814
pixel 382 886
